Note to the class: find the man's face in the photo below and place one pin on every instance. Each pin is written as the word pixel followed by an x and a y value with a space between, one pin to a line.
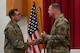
pixel 17 16
pixel 51 11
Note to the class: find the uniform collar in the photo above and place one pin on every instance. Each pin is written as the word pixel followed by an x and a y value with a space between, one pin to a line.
pixel 13 22
pixel 60 16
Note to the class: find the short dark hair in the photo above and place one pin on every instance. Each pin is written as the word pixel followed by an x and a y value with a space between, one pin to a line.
pixel 12 12
pixel 56 6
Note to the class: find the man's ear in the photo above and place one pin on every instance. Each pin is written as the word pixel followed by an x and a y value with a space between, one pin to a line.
pixel 12 17
pixel 57 10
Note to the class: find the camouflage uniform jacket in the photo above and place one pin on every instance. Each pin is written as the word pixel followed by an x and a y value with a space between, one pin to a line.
pixel 14 42
pixel 59 40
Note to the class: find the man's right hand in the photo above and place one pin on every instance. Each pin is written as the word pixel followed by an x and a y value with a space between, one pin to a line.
pixel 34 42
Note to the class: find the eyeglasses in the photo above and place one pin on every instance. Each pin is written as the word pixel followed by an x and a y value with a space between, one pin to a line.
pixel 17 14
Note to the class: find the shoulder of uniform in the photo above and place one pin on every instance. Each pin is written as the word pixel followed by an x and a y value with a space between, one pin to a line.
pixel 62 21
pixel 65 20
pixel 9 26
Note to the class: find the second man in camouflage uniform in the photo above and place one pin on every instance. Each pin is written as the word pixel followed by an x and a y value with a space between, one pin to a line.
pixel 59 40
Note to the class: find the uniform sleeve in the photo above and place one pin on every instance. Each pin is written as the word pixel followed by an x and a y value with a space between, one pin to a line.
pixel 15 39
pixel 39 40
pixel 62 35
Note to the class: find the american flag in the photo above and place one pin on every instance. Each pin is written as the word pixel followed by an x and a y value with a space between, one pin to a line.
pixel 33 31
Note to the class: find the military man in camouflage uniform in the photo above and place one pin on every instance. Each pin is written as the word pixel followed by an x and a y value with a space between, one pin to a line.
pixel 59 40
pixel 14 42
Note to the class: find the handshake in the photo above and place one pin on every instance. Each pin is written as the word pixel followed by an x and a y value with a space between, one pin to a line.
pixel 37 41
pixel 34 42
